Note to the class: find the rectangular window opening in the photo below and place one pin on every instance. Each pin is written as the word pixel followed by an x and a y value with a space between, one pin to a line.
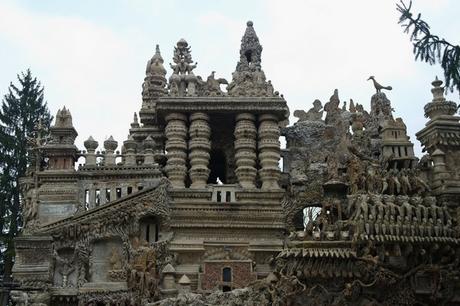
pixel 86 199
pixel 107 195
pixel 118 191
pixel 97 197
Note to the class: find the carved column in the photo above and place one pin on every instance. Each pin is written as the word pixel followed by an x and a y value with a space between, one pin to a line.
pixel 199 145
pixel 176 147
pixel 245 147
pixel 269 151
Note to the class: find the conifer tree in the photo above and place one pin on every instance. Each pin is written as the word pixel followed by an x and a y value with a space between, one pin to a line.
pixel 21 109
pixel 430 48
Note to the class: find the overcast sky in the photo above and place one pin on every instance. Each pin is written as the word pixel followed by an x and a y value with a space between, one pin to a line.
pixel 91 55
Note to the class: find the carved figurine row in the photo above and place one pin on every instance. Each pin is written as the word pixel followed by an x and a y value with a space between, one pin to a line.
pixel 376 216
pixel 392 216
pixel 373 179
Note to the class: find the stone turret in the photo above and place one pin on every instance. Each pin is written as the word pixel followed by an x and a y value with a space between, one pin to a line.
pixel 396 143
pixel 154 84
pixel 441 139
pixel 61 150
pixel 249 78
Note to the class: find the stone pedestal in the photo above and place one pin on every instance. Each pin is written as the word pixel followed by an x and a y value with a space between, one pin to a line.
pixel 110 145
pixel 130 155
pixel 245 147
pixel 176 147
pixel 33 263
pixel 269 151
pixel 199 146
pixel 91 146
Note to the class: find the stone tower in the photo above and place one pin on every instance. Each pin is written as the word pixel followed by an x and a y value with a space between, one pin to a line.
pixel 440 138
pixel 58 196
pixel 222 156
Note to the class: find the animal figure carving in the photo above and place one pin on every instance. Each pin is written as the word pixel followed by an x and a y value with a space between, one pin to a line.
pixel 377 86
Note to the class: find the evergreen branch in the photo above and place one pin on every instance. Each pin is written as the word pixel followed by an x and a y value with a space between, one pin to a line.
pixel 431 48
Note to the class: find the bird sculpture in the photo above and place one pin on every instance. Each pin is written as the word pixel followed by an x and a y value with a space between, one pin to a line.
pixel 377 86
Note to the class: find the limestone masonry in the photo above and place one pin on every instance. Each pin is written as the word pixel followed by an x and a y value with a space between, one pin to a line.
pixel 195 210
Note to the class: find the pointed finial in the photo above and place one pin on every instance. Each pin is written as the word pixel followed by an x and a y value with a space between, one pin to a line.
pixel 157 55
pixel 436 82
pixel 135 123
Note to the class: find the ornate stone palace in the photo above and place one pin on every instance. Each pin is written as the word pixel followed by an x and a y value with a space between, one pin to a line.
pixel 195 210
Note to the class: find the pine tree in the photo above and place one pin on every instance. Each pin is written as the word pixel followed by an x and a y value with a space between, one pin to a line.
pixel 431 48
pixel 22 108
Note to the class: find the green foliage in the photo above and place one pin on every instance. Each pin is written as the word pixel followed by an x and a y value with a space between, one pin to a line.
pixel 429 47
pixel 21 109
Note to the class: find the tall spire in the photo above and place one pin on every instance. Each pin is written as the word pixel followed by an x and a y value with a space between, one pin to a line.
pixel 155 82
pixel 250 51
pixel 249 78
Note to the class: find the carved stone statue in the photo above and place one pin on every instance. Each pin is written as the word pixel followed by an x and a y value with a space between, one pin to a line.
pixel 377 86
pixel 183 81
pixel 65 267
pixel 314 114
pixel 212 87
pixel 115 260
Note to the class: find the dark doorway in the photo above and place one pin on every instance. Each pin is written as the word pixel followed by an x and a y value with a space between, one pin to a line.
pixel 218 167
pixel 226 288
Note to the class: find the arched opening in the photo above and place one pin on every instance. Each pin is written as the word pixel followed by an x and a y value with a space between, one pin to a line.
pixel 218 167
pixel 248 55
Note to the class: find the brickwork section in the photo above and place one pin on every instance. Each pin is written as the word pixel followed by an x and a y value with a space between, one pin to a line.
pixel 242 274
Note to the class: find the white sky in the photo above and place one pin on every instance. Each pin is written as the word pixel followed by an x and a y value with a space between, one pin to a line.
pixel 91 55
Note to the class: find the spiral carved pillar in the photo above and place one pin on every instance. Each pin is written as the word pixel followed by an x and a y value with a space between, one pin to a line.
pixel 176 147
pixel 199 145
pixel 269 151
pixel 245 147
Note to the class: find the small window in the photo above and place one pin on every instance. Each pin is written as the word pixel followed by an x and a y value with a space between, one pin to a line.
pixel 118 190
pixel 139 188
pixel 228 196
pixel 219 196
pixel 130 190
pixel 86 199
pixel 149 230
pixel 107 195
pixel 97 197
pixel 227 274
